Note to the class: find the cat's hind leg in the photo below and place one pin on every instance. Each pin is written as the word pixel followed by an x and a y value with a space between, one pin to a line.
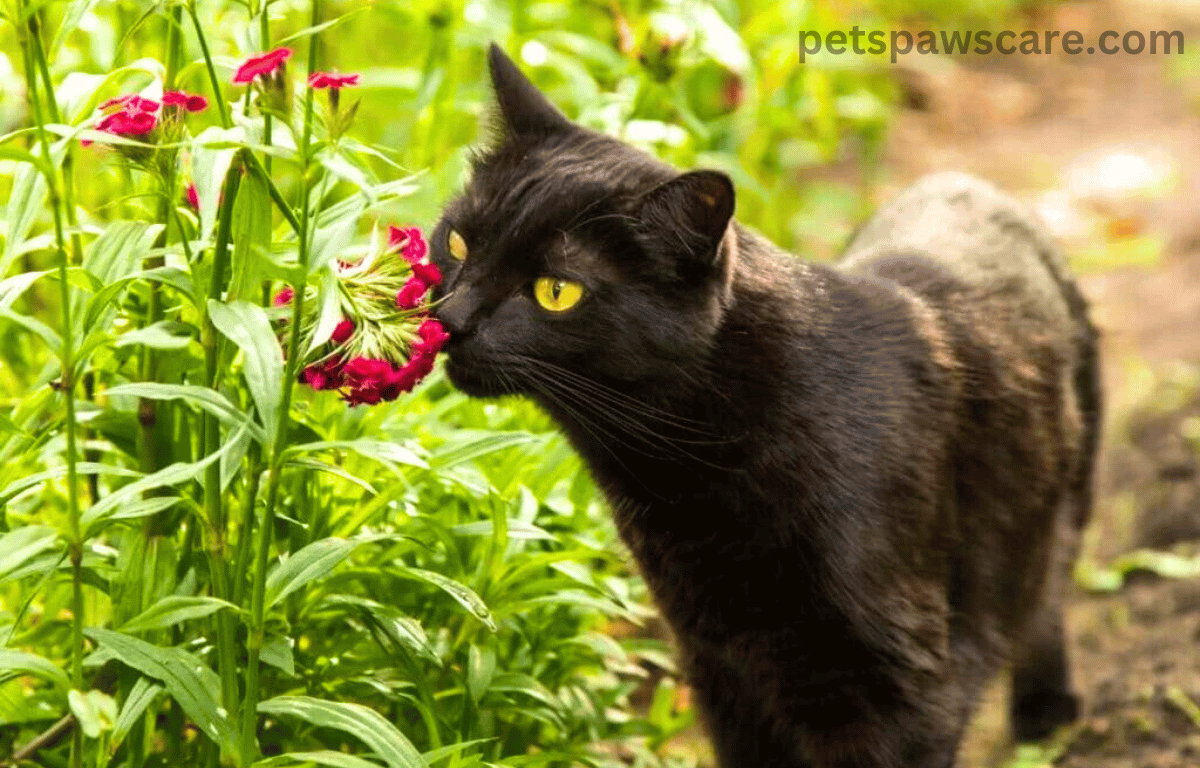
pixel 1042 699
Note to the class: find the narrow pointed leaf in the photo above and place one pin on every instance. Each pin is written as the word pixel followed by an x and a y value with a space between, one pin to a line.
pixel 461 593
pixel 247 326
pixel 172 610
pixel 189 681
pixel 16 663
pixel 366 724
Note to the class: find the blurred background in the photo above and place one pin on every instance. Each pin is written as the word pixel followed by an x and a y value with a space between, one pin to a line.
pixel 1105 148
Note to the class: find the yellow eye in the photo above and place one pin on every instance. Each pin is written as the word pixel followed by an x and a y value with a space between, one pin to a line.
pixel 556 294
pixel 456 245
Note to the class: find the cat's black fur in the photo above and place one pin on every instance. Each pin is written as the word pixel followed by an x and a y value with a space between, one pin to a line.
pixel 854 491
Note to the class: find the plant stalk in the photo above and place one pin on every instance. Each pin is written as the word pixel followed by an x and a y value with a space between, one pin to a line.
pixel 275 466
pixel 33 53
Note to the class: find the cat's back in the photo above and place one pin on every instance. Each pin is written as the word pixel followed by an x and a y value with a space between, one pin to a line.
pixel 980 237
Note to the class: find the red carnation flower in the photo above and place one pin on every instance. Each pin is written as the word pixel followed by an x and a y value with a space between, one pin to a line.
pixel 193 198
pixel 331 80
pixel 324 375
pixel 409 242
pixel 191 102
pixel 427 273
pixel 284 296
pixel 433 338
pixel 343 332
pixel 412 294
pixel 132 102
pixel 264 64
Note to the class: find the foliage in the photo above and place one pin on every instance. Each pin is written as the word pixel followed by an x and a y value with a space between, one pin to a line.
pixel 202 564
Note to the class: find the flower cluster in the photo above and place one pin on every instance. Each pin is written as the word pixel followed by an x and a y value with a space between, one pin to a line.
pixel 135 115
pixel 385 342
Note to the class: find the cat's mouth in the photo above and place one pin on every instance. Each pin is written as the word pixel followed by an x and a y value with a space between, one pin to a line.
pixel 474 382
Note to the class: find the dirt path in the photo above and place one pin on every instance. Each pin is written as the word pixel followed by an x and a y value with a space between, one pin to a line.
pixel 1042 127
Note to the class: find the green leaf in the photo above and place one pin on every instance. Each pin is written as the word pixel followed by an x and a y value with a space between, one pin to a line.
pixel 434 755
pixel 189 681
pixel 173 610
pixel 457 452
pixel 36 327
pixel 27 198
pixel 308 564
pixel 140 696
pixel 206 399
pixel 70 23
pixel 382 451
pixel 17 663
pixel 461 593
pixel 12 288
pixel 366 724
pixel 247 326
pixel 21 545
pixel 405 632
pixel 516 682
pixel 516 530
pixel 121 246
pixel 165 334
pixel 330 242
pixel 277 652
pixel 329 314
pixel 332 469
pixel 481 668
pixel 251 229
pixel 95 711
pixel 179 472
pixel 210 164
pixel 323 757
pixel 318 28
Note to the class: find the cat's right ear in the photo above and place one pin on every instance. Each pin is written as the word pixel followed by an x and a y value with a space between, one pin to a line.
pixel 523 107
pixel 686 219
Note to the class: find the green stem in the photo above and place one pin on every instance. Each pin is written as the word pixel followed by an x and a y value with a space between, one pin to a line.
pixel 219 101
pixel 280 201
pixel 68 162
pixel 264 32
pixel 151 412
pixel 34 53
pixel 214 510
pixel 275 466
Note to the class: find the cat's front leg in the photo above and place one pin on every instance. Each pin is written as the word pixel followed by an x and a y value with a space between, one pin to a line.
pixel 786 699
pixel 735 716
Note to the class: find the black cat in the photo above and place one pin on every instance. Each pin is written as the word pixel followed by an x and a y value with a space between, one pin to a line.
pixel 854 491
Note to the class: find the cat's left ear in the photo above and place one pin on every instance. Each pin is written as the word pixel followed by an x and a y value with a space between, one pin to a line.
pixel 688 217
pixel 524 108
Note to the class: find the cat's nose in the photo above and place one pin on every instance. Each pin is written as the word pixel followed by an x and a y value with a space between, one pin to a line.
pixel 454 312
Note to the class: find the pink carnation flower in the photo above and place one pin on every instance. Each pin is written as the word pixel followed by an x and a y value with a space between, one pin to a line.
pixel 264 64
pixel 191 102
pixel 409 242
pixel 131 102
pixel 284 296
pixel 331 80
pixel 193 198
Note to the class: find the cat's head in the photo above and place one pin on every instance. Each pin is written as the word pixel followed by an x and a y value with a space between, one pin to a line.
pixel 571 254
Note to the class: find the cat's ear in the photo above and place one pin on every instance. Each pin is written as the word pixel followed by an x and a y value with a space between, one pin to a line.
pixel 688 216
pixel 524 109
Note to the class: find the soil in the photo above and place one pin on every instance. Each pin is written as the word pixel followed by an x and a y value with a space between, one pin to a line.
pixel 1030 123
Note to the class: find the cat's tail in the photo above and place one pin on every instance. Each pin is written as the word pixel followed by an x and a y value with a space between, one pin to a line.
pixel 1089 398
